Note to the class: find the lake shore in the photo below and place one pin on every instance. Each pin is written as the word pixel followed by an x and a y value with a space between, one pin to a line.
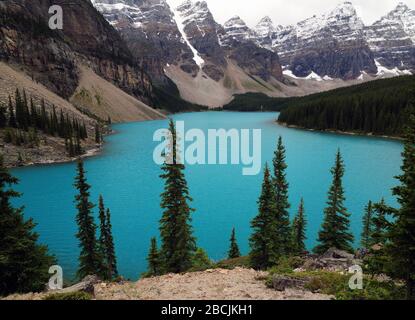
pixel 348 133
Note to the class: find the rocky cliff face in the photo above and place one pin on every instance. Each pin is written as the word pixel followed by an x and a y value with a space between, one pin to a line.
pixel 392 38
pixel 187 36
pixel 331 44
pixel 252 57
pixel 52 56
pixel 150 31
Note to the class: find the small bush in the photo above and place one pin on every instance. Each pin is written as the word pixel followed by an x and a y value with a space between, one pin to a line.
pixel 287 265
pixel 200 261
pixel 242 262
pixel 69 296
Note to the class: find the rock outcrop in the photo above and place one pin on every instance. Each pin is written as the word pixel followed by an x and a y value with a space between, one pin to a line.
pixel 51 57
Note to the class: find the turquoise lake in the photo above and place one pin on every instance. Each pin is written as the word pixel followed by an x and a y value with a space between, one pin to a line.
pixel 127 177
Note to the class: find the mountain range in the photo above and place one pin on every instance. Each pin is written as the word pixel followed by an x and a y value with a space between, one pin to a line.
pixel 180 57
pixel 187 46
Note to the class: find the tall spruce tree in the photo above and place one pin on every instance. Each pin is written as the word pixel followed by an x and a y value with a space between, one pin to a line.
pixel 234 248
pixel 262 241
pixel 89 259
pixel 24 264
pixel 335 229
pixel 153 259
pixel 283 233
pixel 110 247
pixel 178 243
pixel 106 243
pixel 298 231
pixel 366 236
pixel 403 231
pixel 377 261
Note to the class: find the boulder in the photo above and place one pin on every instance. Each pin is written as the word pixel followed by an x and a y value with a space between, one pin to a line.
pixel 281 282
pixel 334 253
pixel 86 285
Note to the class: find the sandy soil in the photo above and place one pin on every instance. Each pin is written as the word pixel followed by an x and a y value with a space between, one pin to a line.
pixel 104 99
pixel 216 284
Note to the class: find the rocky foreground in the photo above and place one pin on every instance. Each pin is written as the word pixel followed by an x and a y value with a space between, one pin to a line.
pixel 239 283
pixel 214 284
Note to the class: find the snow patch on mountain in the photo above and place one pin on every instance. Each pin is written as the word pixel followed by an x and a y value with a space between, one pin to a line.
pixel 181 17
pixel 382 70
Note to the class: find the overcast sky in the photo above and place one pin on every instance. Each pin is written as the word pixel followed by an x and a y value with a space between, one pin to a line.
pixel 292 11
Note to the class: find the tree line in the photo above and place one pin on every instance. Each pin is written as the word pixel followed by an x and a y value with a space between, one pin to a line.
pixel 22 120
pixel 379 107
pixel 389 242
pixel 387 233
pixel 24 264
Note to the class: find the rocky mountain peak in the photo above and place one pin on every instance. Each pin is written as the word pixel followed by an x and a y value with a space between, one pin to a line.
pixel 235 30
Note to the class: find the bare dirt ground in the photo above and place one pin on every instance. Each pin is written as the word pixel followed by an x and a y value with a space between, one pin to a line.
pixel 215 284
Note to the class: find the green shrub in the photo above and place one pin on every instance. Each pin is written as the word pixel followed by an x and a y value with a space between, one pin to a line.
pixel 242 262
pixel 200 261
pixel 69 296
pixel 287 265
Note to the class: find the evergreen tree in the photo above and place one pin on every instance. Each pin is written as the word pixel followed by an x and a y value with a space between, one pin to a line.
pixel 153 259
pixel 97 134
pixel 24 264
pixel 264 227
pixel 110 248
pixel 234 249
pixel 298 231
pixel 335 231
pixel 378 260
pixel 89 259
pixel 106 243
pixel 12 118
pixel 366 237
pixel 282 234
pixel 3 118
pixel 403 231
pixel 178 243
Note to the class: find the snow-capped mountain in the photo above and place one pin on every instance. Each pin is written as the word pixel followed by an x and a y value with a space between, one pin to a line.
pixel 152 34
pixel 323 48
pixel 331 44
pixel 200 31
pixel 235 30
pixel 392 38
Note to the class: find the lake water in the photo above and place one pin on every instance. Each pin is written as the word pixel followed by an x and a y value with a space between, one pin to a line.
pixel 127 177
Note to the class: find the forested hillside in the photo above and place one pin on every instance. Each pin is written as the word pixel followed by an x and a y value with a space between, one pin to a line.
pixel 376 107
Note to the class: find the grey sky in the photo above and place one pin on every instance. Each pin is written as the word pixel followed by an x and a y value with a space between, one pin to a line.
pixel 291 11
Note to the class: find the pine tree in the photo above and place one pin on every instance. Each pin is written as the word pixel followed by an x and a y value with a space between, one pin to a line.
pixel 403 231
pixel 378 260
pixel 298 231
pixel 110 248
pixel 366 237
pixel 234 249
pixel 3 118
pixel 97 134
pixel 89 259
pixel 335 231
pixel 12 117
pixel 153 259
pixel 24 264
pixel 283 233
pixel 104 268
pixel 262 240
pixel 178 243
